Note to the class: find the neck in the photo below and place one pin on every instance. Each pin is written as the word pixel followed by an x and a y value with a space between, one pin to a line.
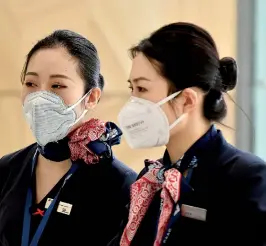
pixel 48 173
pixel 46 165
pixel 182 141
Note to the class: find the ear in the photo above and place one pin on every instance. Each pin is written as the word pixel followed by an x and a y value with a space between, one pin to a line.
pixel 93 98
pixel 190 99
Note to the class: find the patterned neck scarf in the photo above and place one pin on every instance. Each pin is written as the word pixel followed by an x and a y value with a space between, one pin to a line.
pixel 89 142
pixel 142 193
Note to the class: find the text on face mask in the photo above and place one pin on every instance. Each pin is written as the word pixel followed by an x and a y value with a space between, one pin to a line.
pixel 135 124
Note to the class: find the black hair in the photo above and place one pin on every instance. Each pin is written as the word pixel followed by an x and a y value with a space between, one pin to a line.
pixel 186 55
pixel 79 48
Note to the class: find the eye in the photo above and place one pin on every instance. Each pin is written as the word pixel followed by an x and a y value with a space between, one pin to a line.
pixel 29 84
pixel 138 88
pixel 58 86
pixel 141 89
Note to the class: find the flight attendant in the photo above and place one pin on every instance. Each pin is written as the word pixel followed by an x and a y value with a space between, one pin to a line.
pixel 68 188
pixel 203 191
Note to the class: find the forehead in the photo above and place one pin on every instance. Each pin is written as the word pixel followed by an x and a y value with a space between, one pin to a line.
pixel 142 67
pixel 52 60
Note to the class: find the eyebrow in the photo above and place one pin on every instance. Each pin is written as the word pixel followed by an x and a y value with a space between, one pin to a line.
pixel 51 76
pixel 31 73
pixel 60 76
pixel 136 80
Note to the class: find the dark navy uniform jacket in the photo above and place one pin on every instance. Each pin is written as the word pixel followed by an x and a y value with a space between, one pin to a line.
pixel 98 194
pixel 230 185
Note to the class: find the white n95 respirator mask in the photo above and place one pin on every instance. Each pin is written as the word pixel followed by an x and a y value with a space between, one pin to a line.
pixel 145 124
pixel 50 119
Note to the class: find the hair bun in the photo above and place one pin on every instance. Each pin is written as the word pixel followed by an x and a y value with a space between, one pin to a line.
pixel 228 70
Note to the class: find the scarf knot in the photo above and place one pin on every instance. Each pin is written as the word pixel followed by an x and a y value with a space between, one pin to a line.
pixel 91 139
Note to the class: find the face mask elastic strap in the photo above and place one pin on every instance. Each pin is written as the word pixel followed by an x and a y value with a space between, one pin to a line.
pixel 80 117
pixel 177 121
pixel 165 100
pixel 79 101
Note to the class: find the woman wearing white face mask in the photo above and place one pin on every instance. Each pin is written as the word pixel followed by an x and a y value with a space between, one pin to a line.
pixel 203 191
pixel 67 189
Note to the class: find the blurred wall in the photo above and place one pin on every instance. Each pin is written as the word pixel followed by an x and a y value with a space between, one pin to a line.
pixel 113 26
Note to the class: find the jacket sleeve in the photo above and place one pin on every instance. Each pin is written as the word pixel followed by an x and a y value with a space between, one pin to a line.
pixel 130 178
pixel 248 207
pixel 256 204
pixel 11 163
pixel 116 240
pixel 4 173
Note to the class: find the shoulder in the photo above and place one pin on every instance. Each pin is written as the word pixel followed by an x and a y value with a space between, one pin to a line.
pixel 241 164
pixel 246 173
pixel 123 172
pixel 233 164
pixel 17 156
pixel 11 163
pixel 121 177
